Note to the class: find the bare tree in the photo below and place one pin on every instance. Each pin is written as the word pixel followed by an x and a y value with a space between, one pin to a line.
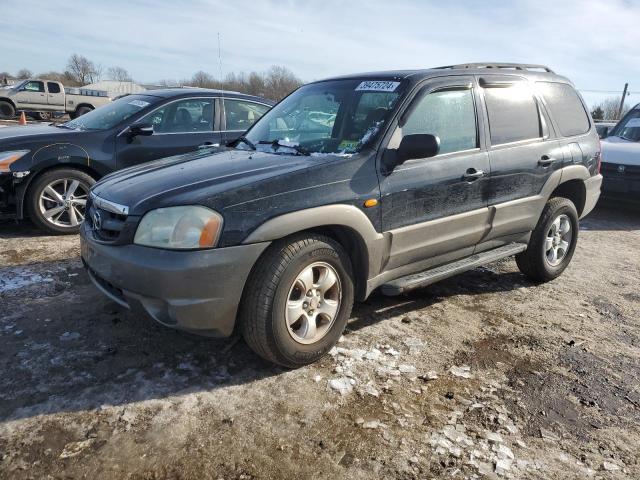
pixel 24 73
pixel 203 80
pixel 609 107
pixel 82 70
pixel 118 74
pixel 279 82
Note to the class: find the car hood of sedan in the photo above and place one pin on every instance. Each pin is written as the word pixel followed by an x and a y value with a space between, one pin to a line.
pixel 620 151
pixel 194 178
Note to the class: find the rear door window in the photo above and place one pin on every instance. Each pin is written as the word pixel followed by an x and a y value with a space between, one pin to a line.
pixel 241 114
pixel 53 87
pixel 513 113
pixel 566 108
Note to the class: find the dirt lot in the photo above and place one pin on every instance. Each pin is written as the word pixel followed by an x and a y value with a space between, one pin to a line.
pixel 553 390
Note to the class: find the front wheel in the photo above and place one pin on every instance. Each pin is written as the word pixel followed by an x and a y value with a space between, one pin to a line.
pixel 57 200
pixel 552 243
pixel 7 112
pixel 298 299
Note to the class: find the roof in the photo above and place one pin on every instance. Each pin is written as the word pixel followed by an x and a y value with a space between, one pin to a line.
pixel 195 92
pixel 481 68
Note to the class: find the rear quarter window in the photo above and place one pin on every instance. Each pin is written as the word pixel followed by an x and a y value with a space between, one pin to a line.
pixel 565 106
pixel 513 114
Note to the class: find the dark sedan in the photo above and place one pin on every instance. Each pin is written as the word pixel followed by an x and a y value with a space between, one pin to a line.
pixel 46 170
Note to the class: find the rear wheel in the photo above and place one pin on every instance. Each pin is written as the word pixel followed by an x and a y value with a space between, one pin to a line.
pixel 7 112
pixel 57 200
pixel 298 300
pixel 81 111
pixel 552 243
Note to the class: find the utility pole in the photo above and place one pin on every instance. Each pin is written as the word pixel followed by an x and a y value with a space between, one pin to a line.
pixel 624 96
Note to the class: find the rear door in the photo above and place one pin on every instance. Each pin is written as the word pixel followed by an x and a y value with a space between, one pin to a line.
pixel 55 95
pixel 523 152
pixel 435 206
pixel 180 126
pixel 238 115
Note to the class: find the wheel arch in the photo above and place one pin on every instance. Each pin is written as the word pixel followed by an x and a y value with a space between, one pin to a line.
pixel 573 190
pixel 346 224
pixel 8 100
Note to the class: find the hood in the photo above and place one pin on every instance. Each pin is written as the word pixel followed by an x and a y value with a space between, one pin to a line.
pixel 194 178
pixel 620 151
pixel 18 134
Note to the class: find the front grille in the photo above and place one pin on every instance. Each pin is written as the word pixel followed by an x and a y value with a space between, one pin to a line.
pixel 620 171
pixel 110 223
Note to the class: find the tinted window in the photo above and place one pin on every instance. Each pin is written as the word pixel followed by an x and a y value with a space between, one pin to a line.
pixel 183 116
pixel 241 114
pixel 513 114
pixel 566 108
pixel 450 115
pixel 34 87
pixel 53 87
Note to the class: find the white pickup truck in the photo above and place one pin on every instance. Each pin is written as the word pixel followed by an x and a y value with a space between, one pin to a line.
pixel 46 97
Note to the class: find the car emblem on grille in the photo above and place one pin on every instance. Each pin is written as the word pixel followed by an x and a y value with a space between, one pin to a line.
pixel 97 221
pixel 621 168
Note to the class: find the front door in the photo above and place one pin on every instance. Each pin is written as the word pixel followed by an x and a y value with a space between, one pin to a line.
pixel 180 126
pixel 32 95
pixel 435 206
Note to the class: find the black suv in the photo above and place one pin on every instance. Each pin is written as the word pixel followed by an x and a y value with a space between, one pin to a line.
pixel 392 180
pixel 46 170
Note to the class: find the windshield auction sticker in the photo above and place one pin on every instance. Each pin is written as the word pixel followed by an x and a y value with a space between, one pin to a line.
pixel 378 86
pixel 138 103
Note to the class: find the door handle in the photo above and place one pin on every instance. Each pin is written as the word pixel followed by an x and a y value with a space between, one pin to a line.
pixel 208 144
pixel 472 174
pixel 546 160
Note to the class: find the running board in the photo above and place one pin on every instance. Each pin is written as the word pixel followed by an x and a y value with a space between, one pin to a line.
pixel 422 279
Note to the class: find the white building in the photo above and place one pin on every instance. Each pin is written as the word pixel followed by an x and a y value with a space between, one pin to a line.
pixel 115 89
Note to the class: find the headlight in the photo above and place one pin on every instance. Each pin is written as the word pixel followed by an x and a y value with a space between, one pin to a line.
pixel 179 228
pixel 7 158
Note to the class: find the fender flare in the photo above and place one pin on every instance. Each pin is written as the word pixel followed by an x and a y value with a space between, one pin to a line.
pixel 328 215
pixel 8 100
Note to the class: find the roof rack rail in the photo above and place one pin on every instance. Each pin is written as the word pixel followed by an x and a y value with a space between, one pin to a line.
pixel 506 66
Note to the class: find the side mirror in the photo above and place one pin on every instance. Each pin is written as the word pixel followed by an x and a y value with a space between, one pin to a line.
pixel 417 146
pixel 141 129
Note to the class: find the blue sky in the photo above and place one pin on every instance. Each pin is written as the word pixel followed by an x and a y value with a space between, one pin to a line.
pixel 596 43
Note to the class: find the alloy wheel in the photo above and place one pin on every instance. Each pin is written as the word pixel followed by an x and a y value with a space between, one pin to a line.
pixel 313 303
pixel 63 202
pixel 558 240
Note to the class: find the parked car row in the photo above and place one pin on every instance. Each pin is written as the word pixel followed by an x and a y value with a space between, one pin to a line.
pixel 621 159
pixel 46 171
pixel 390 180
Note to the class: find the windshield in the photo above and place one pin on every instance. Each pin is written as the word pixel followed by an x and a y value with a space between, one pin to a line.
pixel 629 127
pixel 335 117
pixel 112 113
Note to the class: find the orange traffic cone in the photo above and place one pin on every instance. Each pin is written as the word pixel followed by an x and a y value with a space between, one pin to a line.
pixel 23 119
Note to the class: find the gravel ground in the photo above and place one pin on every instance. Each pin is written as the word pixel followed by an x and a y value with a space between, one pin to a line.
pixel 485 375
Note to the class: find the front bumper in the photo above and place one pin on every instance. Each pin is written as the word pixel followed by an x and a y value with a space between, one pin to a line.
pixel 592 189
pixel 198 291
pixel 621 182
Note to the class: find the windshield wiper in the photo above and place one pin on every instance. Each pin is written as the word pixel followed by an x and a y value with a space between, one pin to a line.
pixel 62 125
pixel 246 141
pixel 276 144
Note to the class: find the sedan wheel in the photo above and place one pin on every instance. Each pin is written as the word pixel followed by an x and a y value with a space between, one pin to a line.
pixel 63 202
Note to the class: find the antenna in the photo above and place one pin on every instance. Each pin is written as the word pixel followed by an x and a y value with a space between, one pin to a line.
pixel 224 136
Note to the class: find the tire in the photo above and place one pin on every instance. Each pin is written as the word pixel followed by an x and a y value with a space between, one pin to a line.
pixel 537 261
pixel 81 111
pixel 7 112
pixel 61 214
pixel 43 116
pixel 275 282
